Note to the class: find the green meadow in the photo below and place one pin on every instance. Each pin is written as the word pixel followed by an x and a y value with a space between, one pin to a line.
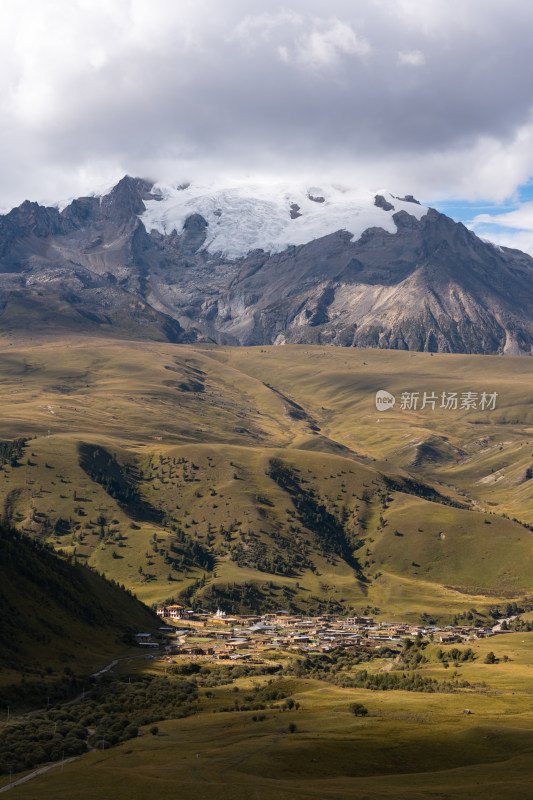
pixel 429 507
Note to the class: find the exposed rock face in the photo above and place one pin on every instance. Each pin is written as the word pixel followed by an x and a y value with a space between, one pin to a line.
pixel 381 202
pixel 81 269
pixel 430 285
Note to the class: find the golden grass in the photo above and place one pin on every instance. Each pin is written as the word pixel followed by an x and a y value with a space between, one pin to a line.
pixel 126 396
pixel 410 745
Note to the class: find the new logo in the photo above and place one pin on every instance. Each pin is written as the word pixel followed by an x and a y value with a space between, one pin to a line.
pixel 384 400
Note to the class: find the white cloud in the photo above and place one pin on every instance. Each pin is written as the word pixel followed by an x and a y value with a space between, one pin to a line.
pixel 90 89
pixel 411 58
pixel 321 42
pixel 261 26
pixel 512 228
pixel 520 218
pixel 328 40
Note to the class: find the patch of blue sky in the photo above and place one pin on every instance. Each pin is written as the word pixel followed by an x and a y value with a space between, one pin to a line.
pixel 484 228
pixel 508 223
pixel 467 210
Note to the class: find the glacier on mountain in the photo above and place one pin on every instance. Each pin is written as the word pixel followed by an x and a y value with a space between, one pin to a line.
pixel 242 217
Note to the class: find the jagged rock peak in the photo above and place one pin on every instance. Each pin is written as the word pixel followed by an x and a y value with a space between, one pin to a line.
pixel 128 196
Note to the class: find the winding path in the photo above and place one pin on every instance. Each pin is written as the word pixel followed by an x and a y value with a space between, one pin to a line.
pixel 36 772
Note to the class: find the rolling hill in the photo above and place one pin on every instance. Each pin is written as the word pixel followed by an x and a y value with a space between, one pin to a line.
pixel 265 477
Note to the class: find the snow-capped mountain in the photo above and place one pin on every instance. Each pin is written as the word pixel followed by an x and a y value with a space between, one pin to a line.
pixel 270 216
pixel 263 264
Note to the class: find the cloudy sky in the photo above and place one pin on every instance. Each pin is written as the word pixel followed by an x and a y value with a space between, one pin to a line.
pixel 429 97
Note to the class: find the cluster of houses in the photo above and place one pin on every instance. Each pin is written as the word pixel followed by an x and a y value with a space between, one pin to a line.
pixel 173 612
pixel 228 636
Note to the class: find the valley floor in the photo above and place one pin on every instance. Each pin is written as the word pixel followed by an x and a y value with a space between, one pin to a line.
pixel 306 742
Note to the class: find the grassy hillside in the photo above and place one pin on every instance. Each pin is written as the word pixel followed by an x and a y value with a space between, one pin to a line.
pixel 57 615
pixel 484 454
pixel 265 477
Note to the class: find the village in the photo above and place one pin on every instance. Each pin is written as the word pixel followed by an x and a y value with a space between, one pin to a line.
pixel 231 637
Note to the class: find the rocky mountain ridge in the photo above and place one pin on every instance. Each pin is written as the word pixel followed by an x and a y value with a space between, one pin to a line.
pixel 137 262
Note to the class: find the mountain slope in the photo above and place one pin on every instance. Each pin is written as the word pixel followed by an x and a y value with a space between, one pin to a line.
pixel 56 614
pixel 80 269
pixel 161 471
pixel 263 264
pixel 393 274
